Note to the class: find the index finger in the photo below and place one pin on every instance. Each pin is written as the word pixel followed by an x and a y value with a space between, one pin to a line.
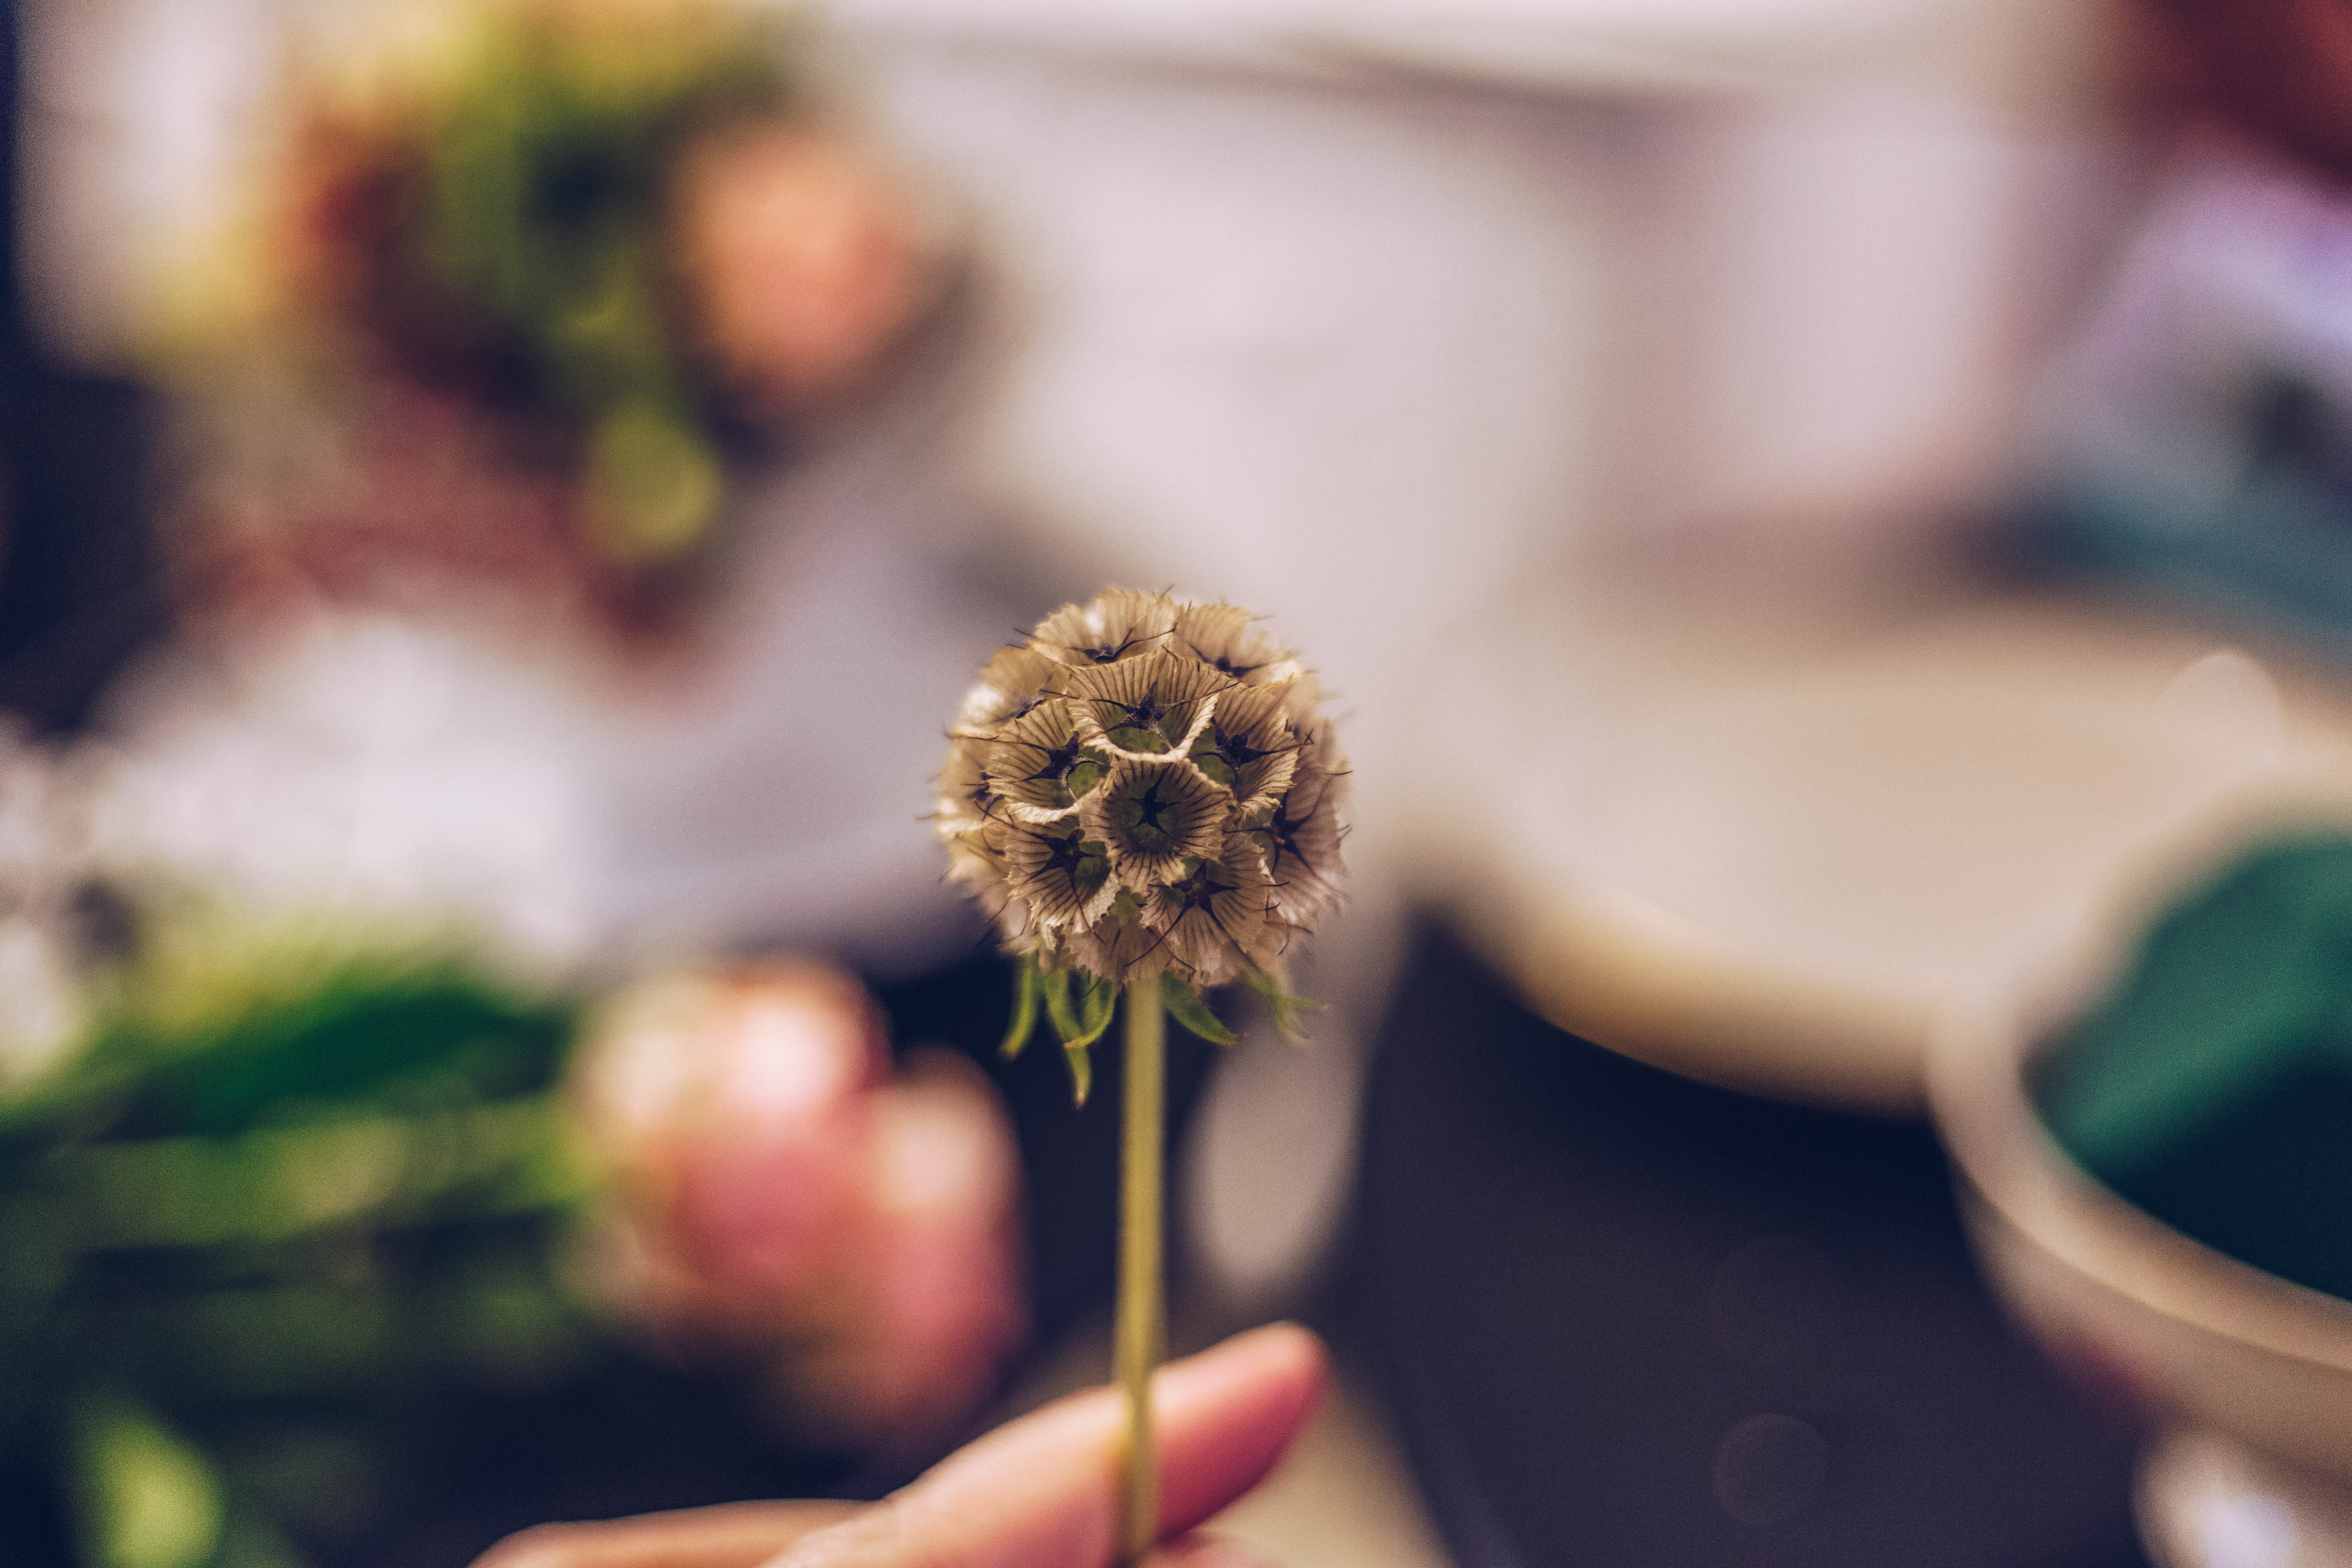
pixel 1040 1493
pixel 729 1535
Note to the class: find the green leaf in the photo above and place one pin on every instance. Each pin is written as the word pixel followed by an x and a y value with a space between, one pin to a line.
pixel 147 1500
pixel 1055 983
pixel 1080 1021
pixel 1281 1002
pixel 1098 998
pixel 1097 1003
pixel 1024 1009
pixel 1188 1007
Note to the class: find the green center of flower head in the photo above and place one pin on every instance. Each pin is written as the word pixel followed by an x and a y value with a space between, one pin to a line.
pixel 1223 755
pixel 1083 860
pixel 1149 713
pixel 1199 886
pixel 1154 819
pixel 1278 836
pixel 1068 771
pixel 1141 733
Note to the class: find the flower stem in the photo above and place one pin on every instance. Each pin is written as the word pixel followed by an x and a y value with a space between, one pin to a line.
pixel 1138 1331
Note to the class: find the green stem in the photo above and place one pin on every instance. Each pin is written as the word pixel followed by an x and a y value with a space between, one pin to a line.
pixel 1138 1331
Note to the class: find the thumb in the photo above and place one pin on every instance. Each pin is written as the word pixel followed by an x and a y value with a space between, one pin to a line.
pixel 1040 1493
pixel 1197 1551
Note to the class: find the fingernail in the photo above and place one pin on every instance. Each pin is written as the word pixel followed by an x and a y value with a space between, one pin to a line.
pixel 1261 1353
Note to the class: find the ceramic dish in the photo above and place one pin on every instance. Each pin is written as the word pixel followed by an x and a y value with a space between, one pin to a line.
pixel 2246 1378
pixel 1762 855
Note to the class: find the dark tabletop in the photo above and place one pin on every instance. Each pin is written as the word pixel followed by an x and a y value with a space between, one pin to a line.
pixel 1626 1320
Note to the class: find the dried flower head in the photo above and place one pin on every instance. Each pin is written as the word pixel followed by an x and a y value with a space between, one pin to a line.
pixel 1146 799
pixel 1143 787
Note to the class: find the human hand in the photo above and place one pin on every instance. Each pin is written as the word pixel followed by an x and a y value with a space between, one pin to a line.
pixel 1035 1493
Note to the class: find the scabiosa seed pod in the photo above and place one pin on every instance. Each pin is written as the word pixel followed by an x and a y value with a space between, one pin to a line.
pixel 1144 788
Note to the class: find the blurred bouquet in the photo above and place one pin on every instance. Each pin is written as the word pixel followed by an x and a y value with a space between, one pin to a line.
pixel 276 1184
pixel 520 275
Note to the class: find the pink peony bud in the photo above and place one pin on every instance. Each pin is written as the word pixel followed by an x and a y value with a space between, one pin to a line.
pixel 801 260
pixel 783 1202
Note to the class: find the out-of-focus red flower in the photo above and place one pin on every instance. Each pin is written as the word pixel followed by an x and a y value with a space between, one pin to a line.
pixel 785 1201
pixel 2279 69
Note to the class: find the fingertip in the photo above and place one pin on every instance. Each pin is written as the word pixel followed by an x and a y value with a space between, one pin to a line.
pixel 556 1545
pixel 1287 1352
pixel 1227 1415
pixel 1278 1371
pixel 1037 1492
pixel 540 1546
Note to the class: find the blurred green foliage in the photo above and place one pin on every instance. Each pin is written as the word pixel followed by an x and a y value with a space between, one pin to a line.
pixel 290 1184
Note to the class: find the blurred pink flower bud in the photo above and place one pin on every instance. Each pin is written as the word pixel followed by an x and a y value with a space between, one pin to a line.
pixel 940 1286
pixel 802 259
pixel 782 1203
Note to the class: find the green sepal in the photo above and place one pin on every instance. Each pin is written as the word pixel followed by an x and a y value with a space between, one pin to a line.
pixel 1284 1007
pixel 1025 1008
pixel 1189 1008
pixel 146 1498
pixel 1055 983
pixel 1098 999
pixel 1080 1020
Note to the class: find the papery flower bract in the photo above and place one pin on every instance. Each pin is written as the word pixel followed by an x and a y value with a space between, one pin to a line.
pixel 1119 943
pixel 1228 639
pixel 1119 624
pixel 1062 877
pixel 1013 682
pixel 1155 814
pixel 1146 786
pixel 1215 916
pixel 1300 835
pixel 966 799
pixel 1041 765
pixel 1248 746
pixel 1148 706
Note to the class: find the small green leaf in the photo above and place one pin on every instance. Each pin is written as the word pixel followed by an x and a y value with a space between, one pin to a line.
pixel 1188 1007
pixel 1281 1002
pixel 1055 982
pixel 1097 1000
pixel 1024 1009
pixel 1080 1020
pixel 1097 997
pixel 147 1499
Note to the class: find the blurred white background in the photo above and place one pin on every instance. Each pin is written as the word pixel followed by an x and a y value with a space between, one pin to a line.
pixel 1375 318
